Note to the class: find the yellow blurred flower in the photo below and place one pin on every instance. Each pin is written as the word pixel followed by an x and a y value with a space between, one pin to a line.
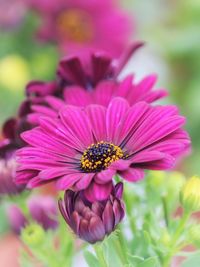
pixel 190 194
pixel 14 72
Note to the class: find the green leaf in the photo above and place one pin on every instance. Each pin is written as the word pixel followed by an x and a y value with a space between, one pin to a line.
pixel 91 259
pixel 135 260
pixel 192 261
pixel 150 262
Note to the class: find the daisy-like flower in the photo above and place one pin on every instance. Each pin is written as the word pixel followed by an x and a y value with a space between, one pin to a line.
pixel 84 25
pixel 86 148
pixel 92 221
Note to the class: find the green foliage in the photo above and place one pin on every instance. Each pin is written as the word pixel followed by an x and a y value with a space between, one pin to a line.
pixel 91 259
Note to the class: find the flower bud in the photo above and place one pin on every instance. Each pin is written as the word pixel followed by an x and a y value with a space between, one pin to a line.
pixel 33 235
pixel 190 194
pixel 92 221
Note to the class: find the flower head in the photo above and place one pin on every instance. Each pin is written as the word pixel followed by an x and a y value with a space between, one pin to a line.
pixel 92 221
pixel 190 194
pixel 85 148
pixel 84 25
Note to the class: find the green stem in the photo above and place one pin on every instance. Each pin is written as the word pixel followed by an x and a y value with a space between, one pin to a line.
pixel 120 247
pixel 100 255
pixel 177 234
pixel 165 210
pixel 129 213
pixel 180 228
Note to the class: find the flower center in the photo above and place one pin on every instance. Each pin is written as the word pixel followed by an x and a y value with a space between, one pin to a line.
pixel 75 25
pixel 98 157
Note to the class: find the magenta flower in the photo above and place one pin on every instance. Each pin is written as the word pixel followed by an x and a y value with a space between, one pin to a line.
pixel 81 83
pixel 86 148
pixel 92 221
pixel 42 209
pixel 79 25
pixel 11 131
pixel 97 66
pixel 102 94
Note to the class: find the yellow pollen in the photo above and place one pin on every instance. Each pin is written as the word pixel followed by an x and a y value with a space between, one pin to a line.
pixel 99 156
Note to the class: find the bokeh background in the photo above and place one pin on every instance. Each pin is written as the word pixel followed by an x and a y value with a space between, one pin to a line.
pixel 170 30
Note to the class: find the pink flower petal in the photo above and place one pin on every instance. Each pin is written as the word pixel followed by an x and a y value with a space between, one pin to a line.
pixel 132 174
pixel 85 181
pixel 130 121
pixel 98 192
pixel 97 116
pixel 104 92
pixel 68 181
pixel 163 164
pixel 75 95
pixel 75 121
pixel 115 112
pixel 104 176
pixel 120 165
pixel 146 156
pixel 52 173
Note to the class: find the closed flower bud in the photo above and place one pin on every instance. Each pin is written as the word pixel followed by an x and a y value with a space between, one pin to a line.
pixel 190 194
pixel 92 221
pixel 33 235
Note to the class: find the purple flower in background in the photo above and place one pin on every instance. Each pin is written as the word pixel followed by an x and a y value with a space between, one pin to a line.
pixel 8 171
pixel 42 209
pixel 95 67
pixel 104 92
pixel 11 141
pixel 12 13
pixel 94 81
pixel 79 25
pixel 16 218
pixel 92 221
pixel 85 148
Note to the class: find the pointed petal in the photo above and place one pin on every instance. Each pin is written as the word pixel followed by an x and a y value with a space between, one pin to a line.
pixel 98 192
